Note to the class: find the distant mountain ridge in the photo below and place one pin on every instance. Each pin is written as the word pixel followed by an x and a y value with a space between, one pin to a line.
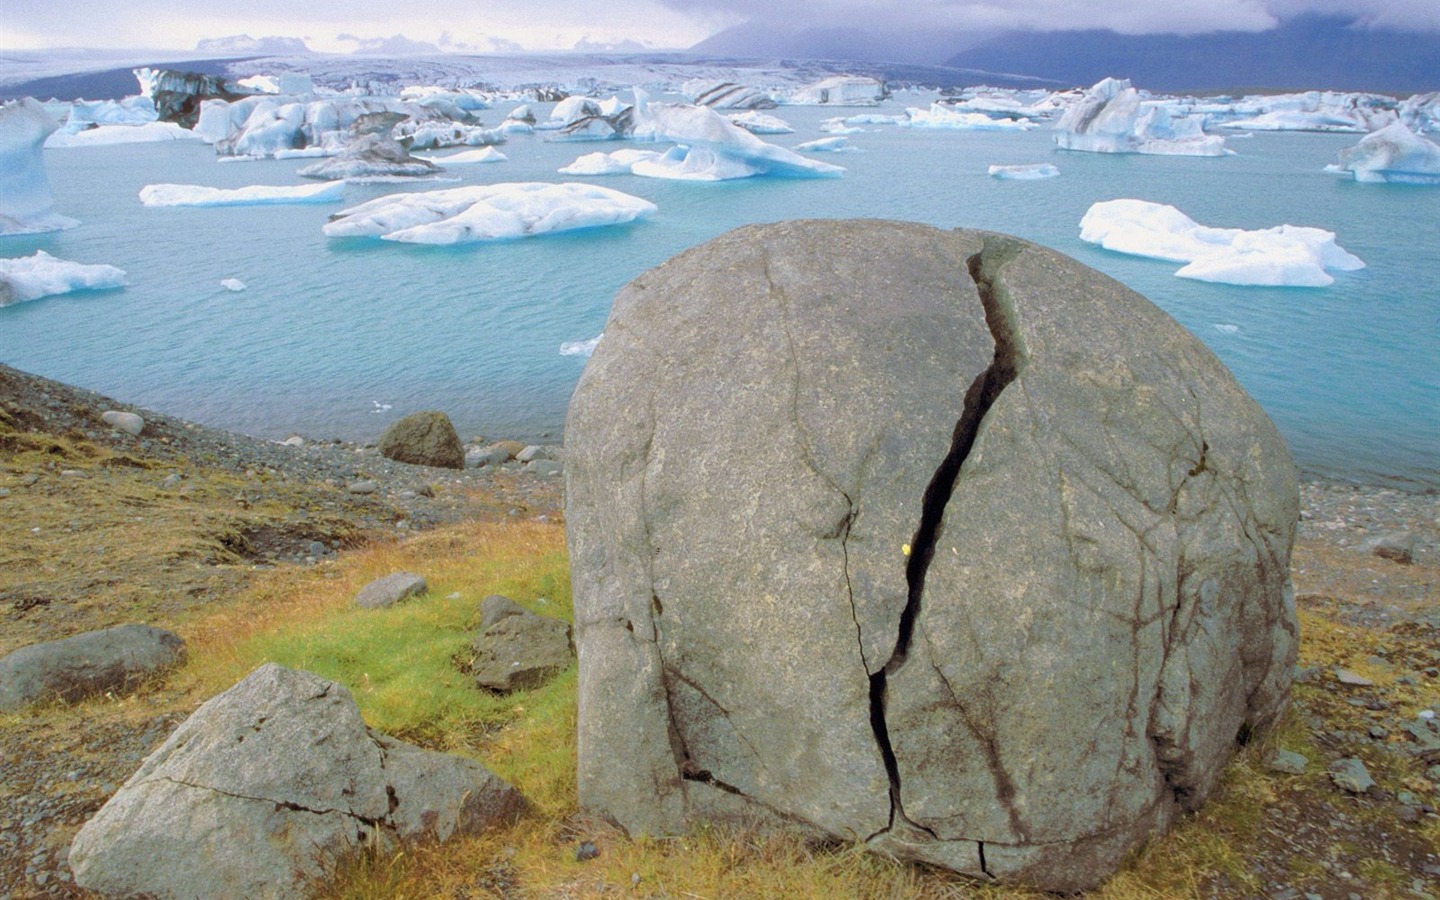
pixel 1305 53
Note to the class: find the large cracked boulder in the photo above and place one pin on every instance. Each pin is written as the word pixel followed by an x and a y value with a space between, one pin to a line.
pixel 266 787
pixel 934 540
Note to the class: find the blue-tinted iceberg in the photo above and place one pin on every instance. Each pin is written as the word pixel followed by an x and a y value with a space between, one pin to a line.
pixel 841 90
pixel 42 275
pixel 487 213
pixel 1111 117
pixel 1393 154
pixel 1030 172
pixel 1287 255
pixel 254 195
pixel 945 117
pixel 733 149
pixel 106 135
pixel 26 200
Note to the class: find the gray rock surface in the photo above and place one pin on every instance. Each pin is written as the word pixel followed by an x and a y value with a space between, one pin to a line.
pixel 935 540
pixel 266 787
pixel 390 590
pixel 424 439
pixel 1351 775
pixel 128 422
pixel 517 649
pixel 112 659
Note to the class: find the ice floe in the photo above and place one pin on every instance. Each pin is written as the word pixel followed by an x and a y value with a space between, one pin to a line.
pixel 26 200
pixel 1394 154
pixel 233 285
pixel 253 195
pixel 1287 255
pixel 581 348
pixel 839 144
pixel 1030 172
pixel 487 212
pixel 106 135
pixel 732 148
pixel 1111 117
pixel 617 163
pixel 371 152
pixel 469 157
pixel 942 116
pixel 761 123
pixel 42 275
pixel 841 90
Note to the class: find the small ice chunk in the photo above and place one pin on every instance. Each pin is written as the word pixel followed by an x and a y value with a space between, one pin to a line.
pixel 581 348
pixel 616 163
pixel 1225 328
pixel 469 157
pixel 232 284
pixel 42 275
pixel 487 212
pixel 757 122
pixel 827 145
pixel 1024 173
pixel 254 195
pixel 1287 255
pixel 941 116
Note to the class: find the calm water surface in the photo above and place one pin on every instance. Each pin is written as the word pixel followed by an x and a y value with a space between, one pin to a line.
pixel 329 332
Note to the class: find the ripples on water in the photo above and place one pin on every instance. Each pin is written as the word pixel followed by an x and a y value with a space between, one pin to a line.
pixel 327 329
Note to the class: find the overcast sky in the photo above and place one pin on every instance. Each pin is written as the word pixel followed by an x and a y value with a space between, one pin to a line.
pixel 559 24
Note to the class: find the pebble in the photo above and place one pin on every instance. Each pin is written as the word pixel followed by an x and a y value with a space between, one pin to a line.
pixel 1287 762
pixel 363 487
pixel 586 851
pixel 4 492
pixel 1354 679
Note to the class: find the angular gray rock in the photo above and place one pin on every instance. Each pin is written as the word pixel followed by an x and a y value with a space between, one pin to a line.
pixel 112 659
pixel 266 787
pixel 424 439
pixel 390 590
pixel 517 649
pixel 1351 775
pixel 936 540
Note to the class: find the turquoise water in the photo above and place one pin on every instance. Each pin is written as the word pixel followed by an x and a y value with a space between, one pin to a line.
pixel 329 329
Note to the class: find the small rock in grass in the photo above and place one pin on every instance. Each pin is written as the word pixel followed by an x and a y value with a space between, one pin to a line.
pixel 363 487
pixel 1351 775
pixel 387 591
pixel 1354 679
pixel 586 851
pixel 1396 546
pixel 1287 762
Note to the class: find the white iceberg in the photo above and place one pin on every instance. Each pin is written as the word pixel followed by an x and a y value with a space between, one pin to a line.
pixel 616 163
pixel 254 195
pixel 840 125
pixel 761 123
pixel 941 116
pixel 26 201
pixel 127 111
pixel 1112 118
pixel 233 285
pixel 839 144
pixel 581 348
pixel 1323 111
pixel 733 149
pixel 1287 255
pixel 1394 154
pixel 42 275
pixel 469 157
pixel 487 213
pixel 1030 172
pixel 841 90
pixel 107 135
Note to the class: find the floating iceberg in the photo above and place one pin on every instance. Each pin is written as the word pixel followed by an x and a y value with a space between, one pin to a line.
pixel 581 348
pixel 1111 118
pixel 26 201
pixel 617 163
pixel 734 149
pixel 469 157
pixel 941 116
pixel 1325 111
pixel 1286 255
pixel 761 123
pixel 372 152
pixel 234 285
pixel 827 145
pixel 1393 154
pixel 254 195
pixel 106 135
pixel 726 95
pixel 487 213
pixel 42 275
pixel 841 90
pixel 1024 173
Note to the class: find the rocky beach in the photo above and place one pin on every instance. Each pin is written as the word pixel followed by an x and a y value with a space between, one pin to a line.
pixel 1343 798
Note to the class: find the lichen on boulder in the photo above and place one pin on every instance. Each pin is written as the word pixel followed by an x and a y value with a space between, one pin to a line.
pixel 934 540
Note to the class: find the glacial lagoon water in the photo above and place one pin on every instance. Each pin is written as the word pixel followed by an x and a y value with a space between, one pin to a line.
pixel 337 338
